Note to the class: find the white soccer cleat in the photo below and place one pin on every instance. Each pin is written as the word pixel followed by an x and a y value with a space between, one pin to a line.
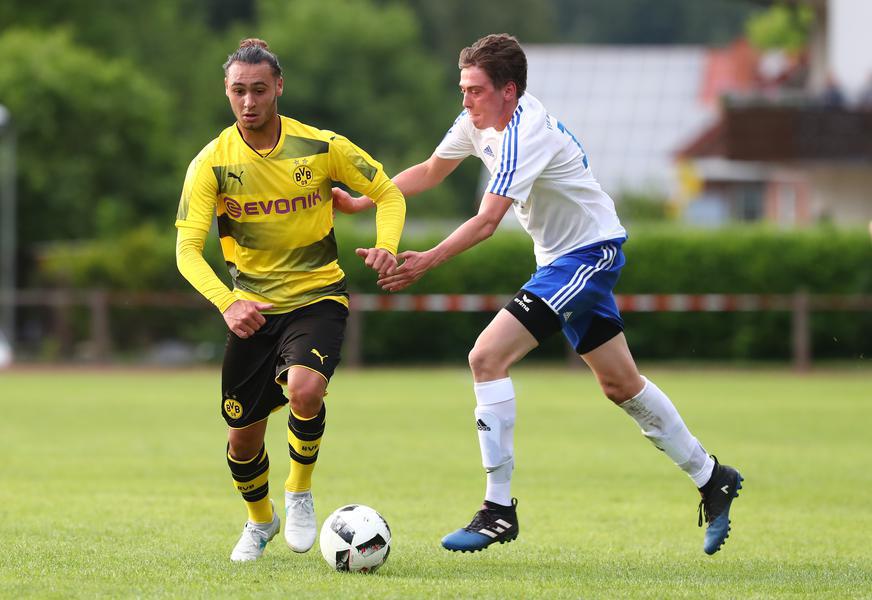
pixel 254 539
pixel 300 526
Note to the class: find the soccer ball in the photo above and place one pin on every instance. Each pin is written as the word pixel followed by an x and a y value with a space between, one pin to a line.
pixel 355 538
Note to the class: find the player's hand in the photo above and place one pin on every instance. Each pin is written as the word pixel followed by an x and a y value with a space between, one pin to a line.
pixel 379 259
pixel 346 203
pixel 243 317
pixel 413 267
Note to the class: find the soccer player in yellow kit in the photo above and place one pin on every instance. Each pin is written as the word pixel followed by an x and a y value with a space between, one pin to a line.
pixel 268 180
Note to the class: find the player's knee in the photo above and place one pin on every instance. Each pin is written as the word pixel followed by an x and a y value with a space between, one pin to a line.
pixel 242 446
pixel 486 364
pixel 305 398
pixel 617 390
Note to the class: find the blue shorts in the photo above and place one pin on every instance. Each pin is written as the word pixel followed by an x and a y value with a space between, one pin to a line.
pixel 578 287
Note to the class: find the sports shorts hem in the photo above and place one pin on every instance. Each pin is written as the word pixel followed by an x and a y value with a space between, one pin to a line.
pixel 279 407
pixel 600 331
pixel 534 314
pixel 282 379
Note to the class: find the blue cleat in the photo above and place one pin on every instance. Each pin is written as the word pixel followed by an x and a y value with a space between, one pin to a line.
pixel 717 496
pixel 493 523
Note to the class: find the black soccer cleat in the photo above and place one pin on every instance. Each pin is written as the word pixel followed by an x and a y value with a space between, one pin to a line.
pixel 717 496
pixel 493 523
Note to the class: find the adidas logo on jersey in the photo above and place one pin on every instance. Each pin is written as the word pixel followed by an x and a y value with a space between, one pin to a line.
pixel 487 150
pixel 567 314
pixel 481 425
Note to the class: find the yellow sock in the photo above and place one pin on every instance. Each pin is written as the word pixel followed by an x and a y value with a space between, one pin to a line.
pixel 260 511
pixel 304 440
pixel 251 478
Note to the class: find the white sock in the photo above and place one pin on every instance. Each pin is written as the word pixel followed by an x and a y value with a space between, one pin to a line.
pixel 495 421
pixel 661 423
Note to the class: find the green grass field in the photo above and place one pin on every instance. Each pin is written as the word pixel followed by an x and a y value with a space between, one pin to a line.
pixel 114 485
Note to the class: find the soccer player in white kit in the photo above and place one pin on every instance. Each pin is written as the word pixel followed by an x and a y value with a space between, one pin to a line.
pixel 541 170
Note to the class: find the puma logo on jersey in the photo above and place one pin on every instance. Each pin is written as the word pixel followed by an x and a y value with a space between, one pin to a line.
pixel 318 354
pixel 233 175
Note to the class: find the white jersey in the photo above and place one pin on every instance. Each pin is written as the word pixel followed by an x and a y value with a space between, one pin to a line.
pixel 540 165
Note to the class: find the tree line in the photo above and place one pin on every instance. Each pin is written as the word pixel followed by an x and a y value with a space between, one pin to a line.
pixel 111 100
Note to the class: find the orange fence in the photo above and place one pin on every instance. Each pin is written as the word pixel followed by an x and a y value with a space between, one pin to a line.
pixel 800 305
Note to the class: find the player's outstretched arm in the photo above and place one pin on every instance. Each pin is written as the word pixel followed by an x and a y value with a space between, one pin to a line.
pixel 477 229
pixel 414 180
pixel 426 175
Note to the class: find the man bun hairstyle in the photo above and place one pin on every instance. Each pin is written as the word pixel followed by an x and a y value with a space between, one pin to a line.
pixel 254 51
pixel 501 57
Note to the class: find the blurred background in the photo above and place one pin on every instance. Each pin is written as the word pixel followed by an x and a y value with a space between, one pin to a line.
pixel 734 135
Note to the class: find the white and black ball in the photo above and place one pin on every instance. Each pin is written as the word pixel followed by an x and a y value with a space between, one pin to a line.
pixel 355 538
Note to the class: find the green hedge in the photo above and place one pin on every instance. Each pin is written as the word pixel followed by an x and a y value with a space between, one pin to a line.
pixel 662 260
pixel 659 260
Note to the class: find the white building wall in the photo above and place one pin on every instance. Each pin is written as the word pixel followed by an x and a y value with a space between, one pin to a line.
pixel 850 43
pixel 842 194
pixel 631 107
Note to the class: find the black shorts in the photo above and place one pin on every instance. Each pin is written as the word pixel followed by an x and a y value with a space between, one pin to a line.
pixel 255 368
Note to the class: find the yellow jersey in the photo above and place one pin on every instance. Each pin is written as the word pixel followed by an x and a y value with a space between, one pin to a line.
pixel 275 214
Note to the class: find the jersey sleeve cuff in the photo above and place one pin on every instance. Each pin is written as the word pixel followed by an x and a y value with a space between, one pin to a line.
pixel 392 248
pixel 224 301
pixel 193 225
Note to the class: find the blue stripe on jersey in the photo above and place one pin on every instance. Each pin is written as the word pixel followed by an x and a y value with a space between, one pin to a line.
pixel 514 149
pixel 514 160
pixel 563 129
pixel 510 144
pixel 501 173
pixel 506 158
pixel 509 160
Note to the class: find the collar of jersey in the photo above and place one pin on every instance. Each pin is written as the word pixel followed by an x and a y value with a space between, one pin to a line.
pixel 253 149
